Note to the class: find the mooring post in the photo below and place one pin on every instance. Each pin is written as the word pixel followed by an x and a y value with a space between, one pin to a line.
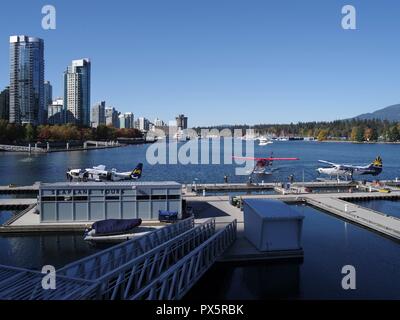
pixel 346 208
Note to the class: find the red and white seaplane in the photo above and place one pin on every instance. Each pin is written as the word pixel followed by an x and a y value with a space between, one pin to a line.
pixel 264 165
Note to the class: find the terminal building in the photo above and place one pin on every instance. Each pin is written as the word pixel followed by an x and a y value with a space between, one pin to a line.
pixel 93 201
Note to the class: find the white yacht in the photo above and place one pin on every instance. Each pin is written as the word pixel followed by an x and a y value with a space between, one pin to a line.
pixel 264 142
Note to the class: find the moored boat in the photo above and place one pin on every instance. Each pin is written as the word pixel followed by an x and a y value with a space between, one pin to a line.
pixel 113 230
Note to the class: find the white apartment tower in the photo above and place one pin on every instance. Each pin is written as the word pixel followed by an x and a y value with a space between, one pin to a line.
pixel 77 92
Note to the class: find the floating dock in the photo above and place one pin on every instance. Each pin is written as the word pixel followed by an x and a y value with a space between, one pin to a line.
pixel 12 189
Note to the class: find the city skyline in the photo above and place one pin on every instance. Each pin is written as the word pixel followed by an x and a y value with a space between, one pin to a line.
pixel 271 63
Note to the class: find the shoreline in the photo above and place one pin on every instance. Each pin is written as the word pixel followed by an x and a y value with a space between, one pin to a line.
pixel 355 142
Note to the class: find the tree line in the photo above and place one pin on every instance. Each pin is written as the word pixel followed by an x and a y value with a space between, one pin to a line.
pixel 14 133
pixel 351 130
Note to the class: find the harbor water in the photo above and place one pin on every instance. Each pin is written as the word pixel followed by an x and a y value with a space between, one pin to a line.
pixel 329 243
pixel 26 169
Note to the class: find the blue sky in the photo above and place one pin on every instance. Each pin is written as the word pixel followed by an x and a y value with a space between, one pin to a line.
pixel 221 61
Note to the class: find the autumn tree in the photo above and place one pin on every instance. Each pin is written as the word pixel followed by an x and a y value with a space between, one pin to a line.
pixel 323 135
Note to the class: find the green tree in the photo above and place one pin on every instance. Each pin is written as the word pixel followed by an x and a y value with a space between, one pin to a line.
pixel 394 134
pixel 357 134
pixel 30 133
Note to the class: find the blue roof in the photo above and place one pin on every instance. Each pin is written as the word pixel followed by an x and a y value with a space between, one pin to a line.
pixel 273 209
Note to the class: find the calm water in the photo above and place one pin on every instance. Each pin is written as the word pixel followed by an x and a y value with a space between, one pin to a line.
pixel 25 169
pixel 329 244
pixel 389 207
pixel 36 250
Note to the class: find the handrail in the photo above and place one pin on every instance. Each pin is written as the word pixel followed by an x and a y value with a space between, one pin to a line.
pixel 129 278
pixel 119 254
pixel 177 281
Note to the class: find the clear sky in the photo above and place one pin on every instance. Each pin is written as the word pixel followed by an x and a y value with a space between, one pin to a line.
pixel 221 61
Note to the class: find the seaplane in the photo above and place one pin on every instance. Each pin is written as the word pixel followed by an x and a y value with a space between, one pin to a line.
pixel 100 173
pixel 263 166
pixel 348 170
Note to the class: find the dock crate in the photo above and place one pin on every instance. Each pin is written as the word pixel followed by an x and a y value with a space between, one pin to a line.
pixel 272 225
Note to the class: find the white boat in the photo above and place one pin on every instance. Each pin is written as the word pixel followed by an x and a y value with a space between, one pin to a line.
pixel 264 142
pixel 116 230
pixel 116 238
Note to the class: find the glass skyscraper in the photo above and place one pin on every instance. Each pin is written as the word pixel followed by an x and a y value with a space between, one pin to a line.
pixel 26 80
pixel 5 104
pixel 77 92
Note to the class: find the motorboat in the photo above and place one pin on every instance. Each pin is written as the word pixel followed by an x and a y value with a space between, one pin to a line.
pixel 264 142
pixel 114 230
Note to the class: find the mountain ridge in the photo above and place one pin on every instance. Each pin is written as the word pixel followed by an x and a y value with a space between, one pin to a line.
pixel 390 113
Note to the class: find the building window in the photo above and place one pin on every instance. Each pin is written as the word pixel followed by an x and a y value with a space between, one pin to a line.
pixel 48 199
pixel 174 197
pixel 159 197
pixel 80 198
pixel 143 197
pixel 64 198
pixel 112 198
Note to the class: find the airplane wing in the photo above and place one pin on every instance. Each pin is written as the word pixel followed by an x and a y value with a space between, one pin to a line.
pixel 330 163
pixel 267 159
pixel 101 168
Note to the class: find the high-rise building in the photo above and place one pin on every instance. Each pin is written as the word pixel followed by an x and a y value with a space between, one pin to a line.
pixel 142 124
pixel 48 98
pixel 77 92
pixel 112 117
pixel 26 80
pixel 5 104
pixel 182 122
pixel 126 120
pixel 55 112
pixel 159 123
pixel 98 114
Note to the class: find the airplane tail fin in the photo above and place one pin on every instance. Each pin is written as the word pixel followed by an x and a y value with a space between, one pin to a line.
pixel 376 166
pixel 137 172
pixel 377 163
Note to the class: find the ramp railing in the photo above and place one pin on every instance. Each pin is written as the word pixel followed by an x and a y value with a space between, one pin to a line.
pixel 177 281
pixel 101 263
pixel 128 279
pixel 23 284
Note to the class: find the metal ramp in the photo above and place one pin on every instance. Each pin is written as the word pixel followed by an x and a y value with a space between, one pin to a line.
pixel 177 281
pixel 23 284
pixel 127 280
pixel 96 265
pixel 174 257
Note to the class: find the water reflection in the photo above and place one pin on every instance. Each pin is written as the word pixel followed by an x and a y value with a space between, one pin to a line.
pixel 389 207
pixel 35 251
pixel 329 244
